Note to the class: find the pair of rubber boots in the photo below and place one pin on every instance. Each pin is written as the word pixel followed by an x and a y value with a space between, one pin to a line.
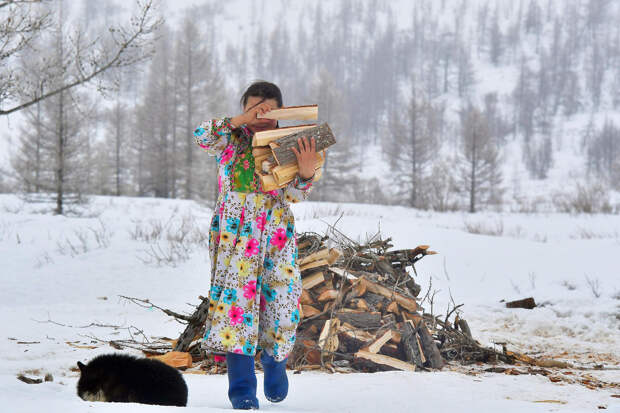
pixel 242 380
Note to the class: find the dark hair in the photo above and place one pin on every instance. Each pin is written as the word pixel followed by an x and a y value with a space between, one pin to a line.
pixel 264 90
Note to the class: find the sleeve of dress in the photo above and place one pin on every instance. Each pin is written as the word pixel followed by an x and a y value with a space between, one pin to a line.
pixel 298 189
pixel 213 135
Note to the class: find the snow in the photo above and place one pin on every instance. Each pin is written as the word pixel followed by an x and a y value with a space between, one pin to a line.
pixel 50 295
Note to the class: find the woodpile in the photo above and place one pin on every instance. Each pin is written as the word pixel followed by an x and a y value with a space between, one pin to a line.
pixel 359 309
pixel 274 161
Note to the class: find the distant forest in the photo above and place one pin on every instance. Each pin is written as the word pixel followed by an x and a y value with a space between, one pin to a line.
pixel 418 121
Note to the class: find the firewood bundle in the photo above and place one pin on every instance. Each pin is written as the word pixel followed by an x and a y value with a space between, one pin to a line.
pixel 274 161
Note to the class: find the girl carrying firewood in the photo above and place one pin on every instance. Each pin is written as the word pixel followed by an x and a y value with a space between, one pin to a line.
pixel 255 280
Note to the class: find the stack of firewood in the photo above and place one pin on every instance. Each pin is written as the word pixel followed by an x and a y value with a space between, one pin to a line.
pixel 274 161
pixel 359 309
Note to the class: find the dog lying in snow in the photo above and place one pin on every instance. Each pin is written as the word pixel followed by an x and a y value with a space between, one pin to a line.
pixel 124 378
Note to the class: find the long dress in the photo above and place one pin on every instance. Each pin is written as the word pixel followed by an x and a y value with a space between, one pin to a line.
pixel 255 279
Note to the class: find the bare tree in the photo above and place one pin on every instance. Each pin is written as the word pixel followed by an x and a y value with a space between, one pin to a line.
pixel 479 160
pixel 411 148
pixel 125 46
pixel 60 157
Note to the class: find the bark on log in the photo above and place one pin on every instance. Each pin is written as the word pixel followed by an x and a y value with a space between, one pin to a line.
pixel 527 303
pixel 431 352
pixel 360 319
pixel 410 345
pixel 194 327
pixel 282 147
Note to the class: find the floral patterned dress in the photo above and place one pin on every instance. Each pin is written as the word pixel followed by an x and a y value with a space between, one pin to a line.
pixel 255 280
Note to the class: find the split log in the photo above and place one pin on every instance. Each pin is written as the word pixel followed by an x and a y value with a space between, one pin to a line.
pixel 264 138
pixel 328 340
pixel 309 310
pixel 392 350
pixel 282 147
pixel 431 352
pixel 360 304
pixel 320 254
pixel 415 317
pixel 360 318
pixel 305 112
pixel 313 264
pixel 312 280
pixel 268 182
pixel 411 345
pixel 194 326
pixel 286 173
pixel 378 343
pixel 175 359
pixel 328 295
pixel 393 308
pixel 405 302
pixel 385 360
pixel 305 297
pixel 334 254
pixel 261 150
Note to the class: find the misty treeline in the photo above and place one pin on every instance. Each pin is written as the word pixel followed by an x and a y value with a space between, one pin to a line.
pixel 418 118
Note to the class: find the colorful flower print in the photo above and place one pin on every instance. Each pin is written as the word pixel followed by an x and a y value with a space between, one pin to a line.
pixel 246 230
pixel 268 264
pixel 243 266
pixel 251 248
pixel 279 239
pixel 248 319
pixel 226 237
pixel 249 290
pixel 261 220
pixel 227 154
pixel 236 315
pixel 216 291
pixel 229 296
pixel 295 316
pixel 199 132
pixel 233 224
pixel 248 348
pixel 268 293
pixel 228 336
pixel 215 223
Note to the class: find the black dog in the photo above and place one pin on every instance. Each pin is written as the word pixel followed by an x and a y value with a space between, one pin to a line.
pixel 124 378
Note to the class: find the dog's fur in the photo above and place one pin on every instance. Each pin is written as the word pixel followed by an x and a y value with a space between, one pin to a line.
pixel 124 378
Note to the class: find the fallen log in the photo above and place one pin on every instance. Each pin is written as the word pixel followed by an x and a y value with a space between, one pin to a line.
pixel 527 303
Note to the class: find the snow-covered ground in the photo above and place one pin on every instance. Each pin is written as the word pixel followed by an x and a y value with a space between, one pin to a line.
pixel 61 277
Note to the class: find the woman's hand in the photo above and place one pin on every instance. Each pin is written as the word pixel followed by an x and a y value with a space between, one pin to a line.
pixel 306 157
pixel 249 117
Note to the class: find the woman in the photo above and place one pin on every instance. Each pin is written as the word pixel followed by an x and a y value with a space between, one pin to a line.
pixel 255 280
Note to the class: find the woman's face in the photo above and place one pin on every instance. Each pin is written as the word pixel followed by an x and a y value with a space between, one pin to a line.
pixel 258 125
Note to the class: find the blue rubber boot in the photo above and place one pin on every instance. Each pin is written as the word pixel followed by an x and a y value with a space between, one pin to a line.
pixel 241 381
pixel 276 382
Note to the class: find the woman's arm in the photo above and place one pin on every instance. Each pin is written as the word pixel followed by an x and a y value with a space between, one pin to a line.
pixel 213 135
